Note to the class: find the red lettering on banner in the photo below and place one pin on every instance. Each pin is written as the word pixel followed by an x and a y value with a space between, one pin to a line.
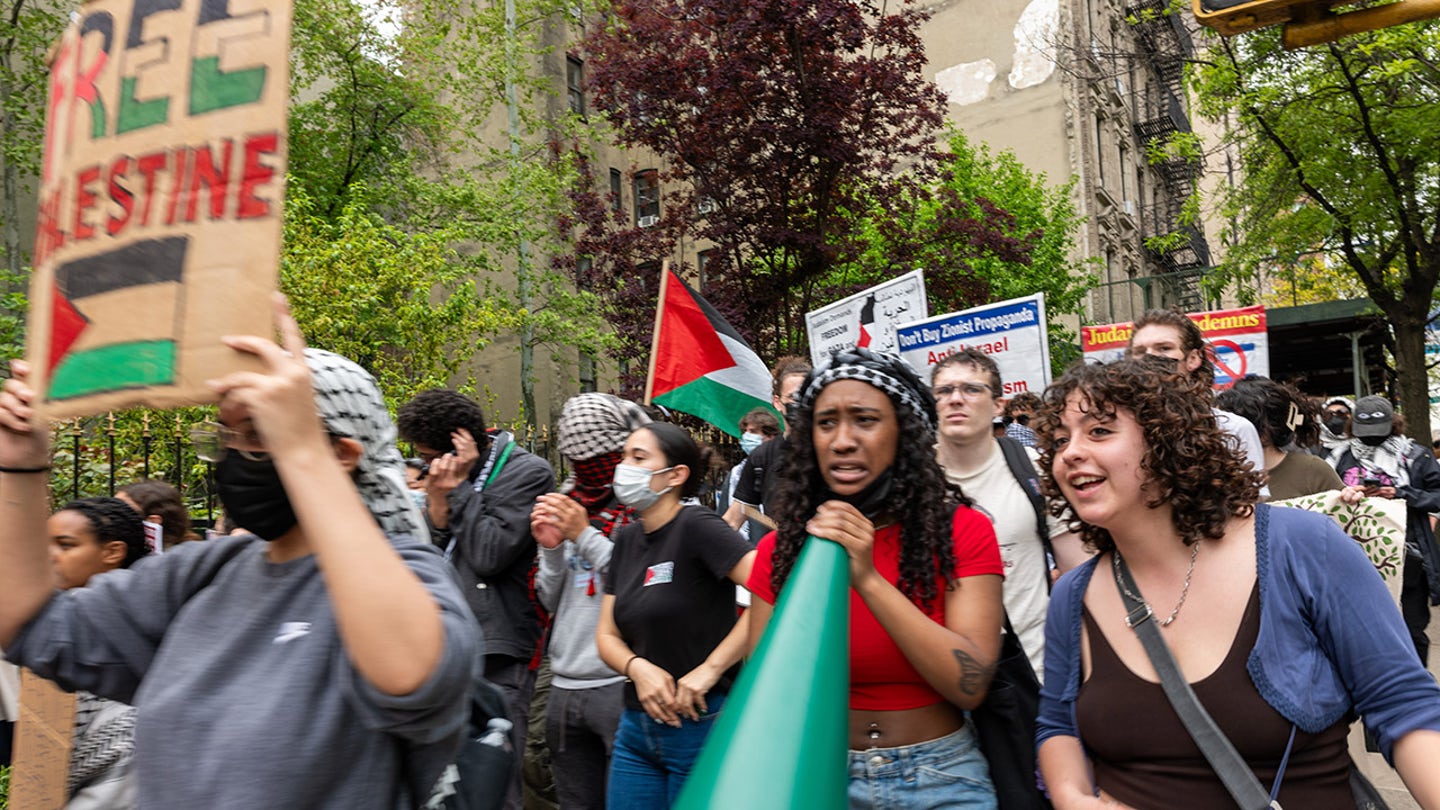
pixel 215 180
pixel 149 165
pixel 52 113
pixel 85 199
pixel 48 235
pixel 121 196
pixel 256 174
pixel 175 190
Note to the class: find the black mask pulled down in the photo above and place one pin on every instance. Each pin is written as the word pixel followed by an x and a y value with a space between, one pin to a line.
pixel 872 500
pixel 253 496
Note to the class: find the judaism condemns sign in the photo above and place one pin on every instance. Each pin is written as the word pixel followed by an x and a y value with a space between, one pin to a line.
pixel 160 199
pixel 1237 342
pixel 1013 333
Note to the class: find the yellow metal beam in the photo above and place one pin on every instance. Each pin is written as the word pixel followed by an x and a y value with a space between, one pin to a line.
pixel 1316 25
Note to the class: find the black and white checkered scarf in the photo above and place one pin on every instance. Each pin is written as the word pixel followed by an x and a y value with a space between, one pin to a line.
pixel 351 406
pixel 594 424
pixel 884 370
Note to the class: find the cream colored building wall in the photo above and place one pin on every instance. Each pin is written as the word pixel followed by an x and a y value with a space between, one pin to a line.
pixel 1061 83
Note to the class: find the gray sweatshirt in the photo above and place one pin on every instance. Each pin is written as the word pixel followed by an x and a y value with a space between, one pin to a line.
pixel 570 586
pixel 244 694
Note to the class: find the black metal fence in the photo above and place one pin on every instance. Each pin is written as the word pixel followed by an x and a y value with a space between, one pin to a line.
pixel 98 455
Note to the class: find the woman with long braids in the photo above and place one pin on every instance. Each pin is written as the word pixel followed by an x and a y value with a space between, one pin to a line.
pixel 1275 617
pixel 925 575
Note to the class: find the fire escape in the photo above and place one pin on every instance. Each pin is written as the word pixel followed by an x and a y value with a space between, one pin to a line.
pixel 1164 45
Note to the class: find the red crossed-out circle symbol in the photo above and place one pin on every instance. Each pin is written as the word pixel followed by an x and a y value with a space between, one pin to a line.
pixel 1221 368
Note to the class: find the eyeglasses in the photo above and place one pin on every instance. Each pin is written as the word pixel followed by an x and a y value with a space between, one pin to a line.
pixel 969 390
pixel 212 440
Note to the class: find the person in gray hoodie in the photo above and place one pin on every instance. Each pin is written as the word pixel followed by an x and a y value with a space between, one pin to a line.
pixel 573 531
pixel 323 662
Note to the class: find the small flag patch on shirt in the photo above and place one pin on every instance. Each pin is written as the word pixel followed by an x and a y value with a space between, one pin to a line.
pixel 660 573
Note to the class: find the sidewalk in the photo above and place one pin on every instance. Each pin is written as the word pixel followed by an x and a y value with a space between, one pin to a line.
pixel 1373 765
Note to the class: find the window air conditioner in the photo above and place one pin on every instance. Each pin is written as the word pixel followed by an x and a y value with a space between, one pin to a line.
pixel 648 222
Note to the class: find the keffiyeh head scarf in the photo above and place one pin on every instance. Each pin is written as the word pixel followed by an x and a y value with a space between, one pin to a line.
pixel 884 370
pixel 351 406
pixel 595 424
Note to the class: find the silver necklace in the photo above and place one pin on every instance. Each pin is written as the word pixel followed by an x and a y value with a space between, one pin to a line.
pixel 1184 589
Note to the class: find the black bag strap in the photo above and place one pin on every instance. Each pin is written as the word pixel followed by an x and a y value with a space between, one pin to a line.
pixel 1020 467
pixel 1239 780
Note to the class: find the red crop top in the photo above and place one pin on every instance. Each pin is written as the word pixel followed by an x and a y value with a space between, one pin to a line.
pixel 881 677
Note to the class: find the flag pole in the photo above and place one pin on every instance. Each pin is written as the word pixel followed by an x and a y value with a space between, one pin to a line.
pixel 655 336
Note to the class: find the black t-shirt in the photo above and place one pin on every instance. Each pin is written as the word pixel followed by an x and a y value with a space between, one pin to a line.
pixel 757 478
pixel 673 602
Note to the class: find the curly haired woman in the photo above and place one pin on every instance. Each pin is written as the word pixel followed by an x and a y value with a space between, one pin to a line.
pixel 1275 617
pixel 925 573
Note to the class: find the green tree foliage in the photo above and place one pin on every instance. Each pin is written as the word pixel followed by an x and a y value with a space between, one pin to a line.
pixel 27 31
pixel 447 116
pixel 398 302
pixel 1339 149
pixel 986 229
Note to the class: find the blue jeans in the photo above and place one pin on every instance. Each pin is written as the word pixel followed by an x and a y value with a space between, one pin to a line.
pixel 651 760
pixel 948 772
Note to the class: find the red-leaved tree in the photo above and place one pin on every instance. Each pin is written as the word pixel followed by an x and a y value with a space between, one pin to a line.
pixel 788 119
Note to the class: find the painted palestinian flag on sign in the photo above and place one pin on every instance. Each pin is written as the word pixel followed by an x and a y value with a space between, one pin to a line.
pixel 701 365
pixel 115 319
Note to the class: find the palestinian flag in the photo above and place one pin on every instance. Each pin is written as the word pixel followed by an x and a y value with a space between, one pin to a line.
pixel 114 318
pixel 699 364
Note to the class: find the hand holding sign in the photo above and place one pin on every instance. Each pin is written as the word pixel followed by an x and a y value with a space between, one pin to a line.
pixel 21 445
pixel 280 401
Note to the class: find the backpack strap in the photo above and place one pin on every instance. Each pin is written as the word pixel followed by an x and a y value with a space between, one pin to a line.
pixel 1024 471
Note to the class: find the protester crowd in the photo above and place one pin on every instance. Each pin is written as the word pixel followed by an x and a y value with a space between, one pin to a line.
pixel 329 651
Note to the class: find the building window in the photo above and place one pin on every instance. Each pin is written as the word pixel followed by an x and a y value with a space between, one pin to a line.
pixel 1100 151
pixel 617 183
pixel 702 264
pixel 1124 173
pixel 587 364
pixel 647 198
pixel 575 84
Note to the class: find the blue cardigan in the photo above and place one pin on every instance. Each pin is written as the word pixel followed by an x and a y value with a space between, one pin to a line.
pixel 1331 637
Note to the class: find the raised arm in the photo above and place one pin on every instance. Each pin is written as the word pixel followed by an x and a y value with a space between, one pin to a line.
pixel 24 496
pixel 389 623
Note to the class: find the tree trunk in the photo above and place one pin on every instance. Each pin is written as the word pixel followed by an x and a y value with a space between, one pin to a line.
pixel 1413 380
pixel 10 195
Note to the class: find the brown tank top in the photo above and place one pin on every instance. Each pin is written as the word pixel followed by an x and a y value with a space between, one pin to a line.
pixel 1143 756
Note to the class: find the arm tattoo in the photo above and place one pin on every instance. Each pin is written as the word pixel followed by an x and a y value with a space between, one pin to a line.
pixel 974 676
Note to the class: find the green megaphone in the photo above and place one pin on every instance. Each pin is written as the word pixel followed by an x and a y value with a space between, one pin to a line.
pixel 781 741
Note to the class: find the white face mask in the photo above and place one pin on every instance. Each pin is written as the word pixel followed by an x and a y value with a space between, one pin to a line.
pixel 750 441
pixel 632 486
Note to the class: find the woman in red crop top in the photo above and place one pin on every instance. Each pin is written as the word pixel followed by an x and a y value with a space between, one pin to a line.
pixel 925 576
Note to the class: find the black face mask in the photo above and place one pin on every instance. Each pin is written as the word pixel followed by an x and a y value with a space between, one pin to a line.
pixel 1373 441
pixel 871 500
pixel 1336 425
pixel 253 496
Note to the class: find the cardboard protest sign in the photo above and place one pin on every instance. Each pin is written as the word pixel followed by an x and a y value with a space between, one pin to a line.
pixel 1237 340
pixel 44 736
pixel 867 318
pixel 160 200
pixel 1013 333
